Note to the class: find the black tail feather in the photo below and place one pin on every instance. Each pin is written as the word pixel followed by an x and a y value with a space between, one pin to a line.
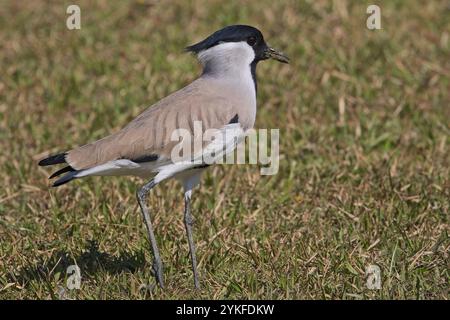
pixel 66 178
pixel 61 171
pixel 55 159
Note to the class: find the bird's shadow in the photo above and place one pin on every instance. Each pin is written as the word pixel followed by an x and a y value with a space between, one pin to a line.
pixel 90 261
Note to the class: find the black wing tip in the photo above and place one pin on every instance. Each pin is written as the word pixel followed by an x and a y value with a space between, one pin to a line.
pixel 64 179
pixel 61 171
pixel 54 159
pixel 189 49
pixel 57 159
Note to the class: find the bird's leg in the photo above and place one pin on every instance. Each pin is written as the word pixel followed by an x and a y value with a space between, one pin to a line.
pixel 188 222
pixel 141 197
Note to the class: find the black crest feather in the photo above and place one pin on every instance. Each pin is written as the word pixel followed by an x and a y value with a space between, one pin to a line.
pixel 234 33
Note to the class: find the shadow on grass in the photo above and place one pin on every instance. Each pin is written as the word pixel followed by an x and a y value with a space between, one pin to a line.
pixel 90 262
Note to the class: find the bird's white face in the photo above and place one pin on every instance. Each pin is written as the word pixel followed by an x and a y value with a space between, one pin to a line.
pixel 227 57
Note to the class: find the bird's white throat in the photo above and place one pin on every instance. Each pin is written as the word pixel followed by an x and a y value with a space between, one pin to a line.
pixel 228 59
pixel 229 63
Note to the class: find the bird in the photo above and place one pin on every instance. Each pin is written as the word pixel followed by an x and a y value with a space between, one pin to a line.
pixel 223 97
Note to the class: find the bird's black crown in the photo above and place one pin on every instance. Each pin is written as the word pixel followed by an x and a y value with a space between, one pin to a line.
pixel 234 33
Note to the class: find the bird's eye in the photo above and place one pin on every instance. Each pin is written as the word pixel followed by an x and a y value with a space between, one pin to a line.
pixel 251 41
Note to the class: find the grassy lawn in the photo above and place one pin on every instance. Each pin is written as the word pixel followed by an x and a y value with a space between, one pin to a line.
pixel 364 173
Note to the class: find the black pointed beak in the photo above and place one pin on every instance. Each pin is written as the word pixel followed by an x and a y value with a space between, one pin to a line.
pixel 271 53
